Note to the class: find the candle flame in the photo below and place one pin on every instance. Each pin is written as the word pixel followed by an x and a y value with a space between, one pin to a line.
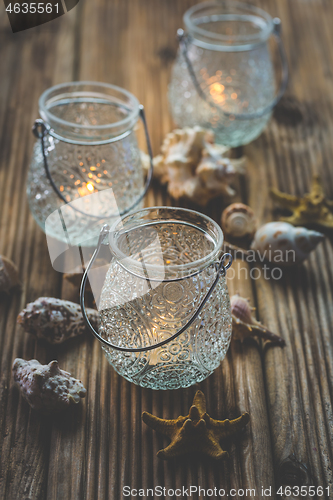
pixel 90 187
pixel 216 91
pixel 216 88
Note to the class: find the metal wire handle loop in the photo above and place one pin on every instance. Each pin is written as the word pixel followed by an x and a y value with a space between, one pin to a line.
pixel 184 40
pixel 220 271
pixel 40 129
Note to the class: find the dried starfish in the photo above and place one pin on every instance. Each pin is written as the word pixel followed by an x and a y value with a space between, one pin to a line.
pixel 313 209
pixel 196 432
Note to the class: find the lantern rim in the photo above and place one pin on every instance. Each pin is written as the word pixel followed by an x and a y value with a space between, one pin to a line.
pixel 161 215
pixel 227 11
pixel 85 92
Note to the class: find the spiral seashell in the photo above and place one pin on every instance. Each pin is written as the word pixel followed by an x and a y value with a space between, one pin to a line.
pixel 240 307
pixel 245 325
pixel 238 220
pixel 46 387
pixel 284 244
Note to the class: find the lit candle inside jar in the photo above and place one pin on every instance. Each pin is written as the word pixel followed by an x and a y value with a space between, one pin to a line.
pixel 154 353
pixel 86 189
pixel 224 94
pixel 216 91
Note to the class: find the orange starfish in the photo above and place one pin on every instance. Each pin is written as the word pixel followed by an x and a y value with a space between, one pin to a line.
pixel 195 432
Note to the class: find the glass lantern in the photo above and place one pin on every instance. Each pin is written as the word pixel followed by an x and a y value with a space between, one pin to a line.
pixel 86 158
pixel 223 78
pixel 165 319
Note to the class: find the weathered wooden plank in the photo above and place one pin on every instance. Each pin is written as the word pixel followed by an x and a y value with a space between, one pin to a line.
pixel 299 377
pixel 25 435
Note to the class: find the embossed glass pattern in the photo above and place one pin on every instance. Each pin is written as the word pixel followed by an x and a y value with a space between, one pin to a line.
pixel 228 50
pixel 83 116
pixel 161 270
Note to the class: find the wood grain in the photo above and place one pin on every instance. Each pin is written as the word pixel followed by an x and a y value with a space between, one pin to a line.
pixel 92 452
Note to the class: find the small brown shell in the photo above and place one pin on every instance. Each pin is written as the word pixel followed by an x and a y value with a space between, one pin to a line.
pixel 241 309
pixel 245 325
pixel 238 220
pixel 8 275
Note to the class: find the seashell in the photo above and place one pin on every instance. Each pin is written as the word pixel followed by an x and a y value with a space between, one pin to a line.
pixel 55 320
pixel 238 220
pixel 284 244
pixel 245 325
pixel 8 275
pixel 46 387
pixel 241 309
pixel 184 146
pixel 194 167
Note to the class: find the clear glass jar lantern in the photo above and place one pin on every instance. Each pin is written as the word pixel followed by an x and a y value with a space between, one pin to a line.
pixel 86 146
pixel 165 285
pixel 223 78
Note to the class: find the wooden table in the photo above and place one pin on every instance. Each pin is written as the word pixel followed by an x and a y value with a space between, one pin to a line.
pixel 92 452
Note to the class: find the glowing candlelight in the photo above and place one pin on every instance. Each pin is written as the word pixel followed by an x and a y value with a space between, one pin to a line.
pixel 154 352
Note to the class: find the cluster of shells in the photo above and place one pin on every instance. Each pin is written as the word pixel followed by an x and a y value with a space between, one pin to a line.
pixel 46 387
pixel 278 242
pixel 194 167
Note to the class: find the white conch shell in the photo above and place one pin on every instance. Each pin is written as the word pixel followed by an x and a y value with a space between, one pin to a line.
pixel 238 220
pixel 193 166
pixel 46 387
pixel 284 244
pixel 184 146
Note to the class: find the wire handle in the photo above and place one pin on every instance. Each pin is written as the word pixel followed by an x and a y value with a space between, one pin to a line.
pixel 220 271
pixel 40 129
pixel 184 40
